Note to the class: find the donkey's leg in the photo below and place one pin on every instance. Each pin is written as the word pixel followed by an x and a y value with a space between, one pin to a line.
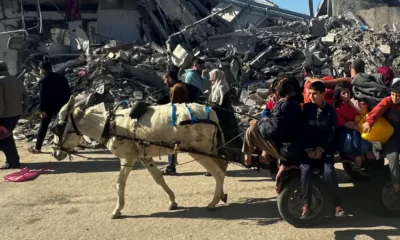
pixel 159 178
pixel 126 167
pixel 217 168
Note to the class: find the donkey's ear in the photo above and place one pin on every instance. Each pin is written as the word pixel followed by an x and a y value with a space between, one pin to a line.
pixel 67 109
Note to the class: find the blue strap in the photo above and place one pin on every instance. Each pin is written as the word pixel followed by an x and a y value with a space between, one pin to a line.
pixel 208 112
pixel 173 116
pixel 194 118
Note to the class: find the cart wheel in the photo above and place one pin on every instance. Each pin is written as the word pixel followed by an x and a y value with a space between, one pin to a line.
pixel 290 203
pixel 384 201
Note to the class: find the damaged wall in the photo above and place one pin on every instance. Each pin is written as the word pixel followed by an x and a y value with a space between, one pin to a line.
pixel 374 12
pixel 118 20
pixel 11 10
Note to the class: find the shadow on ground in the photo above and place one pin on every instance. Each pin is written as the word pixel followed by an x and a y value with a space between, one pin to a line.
pixel 261 210
pixel 89 166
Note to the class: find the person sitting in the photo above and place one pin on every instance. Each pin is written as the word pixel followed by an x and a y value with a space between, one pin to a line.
pixel 389 107
pixel 319 125
pixel 387 74
pixel 282 126
pixel 178 93
pixel 346 126
pixel 368 88
pixel 272 98
pixel 220 99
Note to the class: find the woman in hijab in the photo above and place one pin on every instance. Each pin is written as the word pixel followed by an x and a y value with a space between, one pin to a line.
pixel 387 74
pixel 220 99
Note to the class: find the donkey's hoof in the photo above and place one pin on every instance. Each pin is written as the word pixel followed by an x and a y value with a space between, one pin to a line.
pixel 116 215
pixel 224 198
pixel 211 207
pixel 173 206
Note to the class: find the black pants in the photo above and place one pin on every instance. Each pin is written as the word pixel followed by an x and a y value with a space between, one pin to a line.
pixel 7 145
pixel 392 150
pixel 329 176
pixel 44 125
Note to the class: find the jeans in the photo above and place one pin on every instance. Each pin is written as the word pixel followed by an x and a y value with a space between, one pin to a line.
pixel 350 142
pixel 44 125
pixel 329 176
pixel 171 162
pixel 7 145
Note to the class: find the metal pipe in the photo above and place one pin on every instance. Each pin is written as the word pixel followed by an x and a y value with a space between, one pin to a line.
pixel 311 6
pixel 329 8
pixel 39 11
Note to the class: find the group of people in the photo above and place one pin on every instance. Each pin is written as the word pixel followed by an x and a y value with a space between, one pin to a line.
pixel 54 92
pixel 307 129
pixel 194 85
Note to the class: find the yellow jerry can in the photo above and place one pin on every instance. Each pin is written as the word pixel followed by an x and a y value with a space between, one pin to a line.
pixel 381 131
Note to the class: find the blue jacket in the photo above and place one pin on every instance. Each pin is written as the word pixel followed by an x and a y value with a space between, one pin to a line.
pixel 194 78
pixel 319 126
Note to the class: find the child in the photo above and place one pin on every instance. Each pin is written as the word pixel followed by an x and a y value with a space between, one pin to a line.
pixel 272 98
pixel 389 107
pixel 319 125
pixel 345 122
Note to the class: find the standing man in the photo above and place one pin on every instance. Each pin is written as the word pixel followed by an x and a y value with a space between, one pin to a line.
pixel 193 76
pixel 178 93
pixel 54 93
pixel 13 103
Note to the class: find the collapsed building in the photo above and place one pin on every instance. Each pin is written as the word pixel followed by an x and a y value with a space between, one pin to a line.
pixel 121 49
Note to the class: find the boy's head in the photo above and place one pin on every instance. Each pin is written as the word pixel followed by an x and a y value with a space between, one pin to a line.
pixel 395 92
pixel 317 92
pixel 357 66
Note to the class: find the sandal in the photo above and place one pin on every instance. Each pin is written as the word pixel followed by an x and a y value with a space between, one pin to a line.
pixel 339 212
pixel 33 150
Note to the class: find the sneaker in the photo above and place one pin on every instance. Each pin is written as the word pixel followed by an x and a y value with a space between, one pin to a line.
pixel 168 172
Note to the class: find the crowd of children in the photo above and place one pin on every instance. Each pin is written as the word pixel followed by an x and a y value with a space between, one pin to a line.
pixel 328 125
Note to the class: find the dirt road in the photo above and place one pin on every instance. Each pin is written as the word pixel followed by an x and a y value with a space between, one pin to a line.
pixel 74 200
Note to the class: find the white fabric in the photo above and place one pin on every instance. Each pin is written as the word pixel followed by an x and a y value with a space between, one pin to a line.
pixel 220 86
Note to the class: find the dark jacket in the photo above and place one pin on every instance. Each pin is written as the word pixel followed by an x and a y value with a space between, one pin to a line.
pixel 54 93
pixel 13 96
pixel 284 122
pixel 370 88
pixel 319 127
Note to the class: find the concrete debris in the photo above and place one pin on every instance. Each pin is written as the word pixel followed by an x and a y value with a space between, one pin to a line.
pixel 251 55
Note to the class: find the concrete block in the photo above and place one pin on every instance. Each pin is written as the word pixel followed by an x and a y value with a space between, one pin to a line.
pixel 385 49
pixel 122 56
pixel 181 57
pixel 329 39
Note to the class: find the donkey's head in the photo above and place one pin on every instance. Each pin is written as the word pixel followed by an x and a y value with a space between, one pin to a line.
pixel 66 134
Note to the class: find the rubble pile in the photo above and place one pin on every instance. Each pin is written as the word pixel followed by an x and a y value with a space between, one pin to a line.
pixel 251 58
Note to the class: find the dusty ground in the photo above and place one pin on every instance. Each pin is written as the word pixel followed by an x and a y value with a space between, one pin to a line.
pixel 74 200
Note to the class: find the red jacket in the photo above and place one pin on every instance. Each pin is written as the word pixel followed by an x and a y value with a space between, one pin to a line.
pixel 383 106
pixel 270 105
pixel 328 92
pixel 345 113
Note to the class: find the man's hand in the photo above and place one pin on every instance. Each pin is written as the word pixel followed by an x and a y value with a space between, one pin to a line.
pixel 311 154
pixel 44 115
pixel 366 127
pixel 253 122
pixel 317 154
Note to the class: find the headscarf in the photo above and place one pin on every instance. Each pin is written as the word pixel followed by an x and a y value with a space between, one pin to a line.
pixel 387 74
pixel 219 88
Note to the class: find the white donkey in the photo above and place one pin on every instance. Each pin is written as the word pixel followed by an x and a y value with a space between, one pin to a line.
pixel 155 125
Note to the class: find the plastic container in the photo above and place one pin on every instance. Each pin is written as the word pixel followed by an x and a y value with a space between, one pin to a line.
pixel 381 131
